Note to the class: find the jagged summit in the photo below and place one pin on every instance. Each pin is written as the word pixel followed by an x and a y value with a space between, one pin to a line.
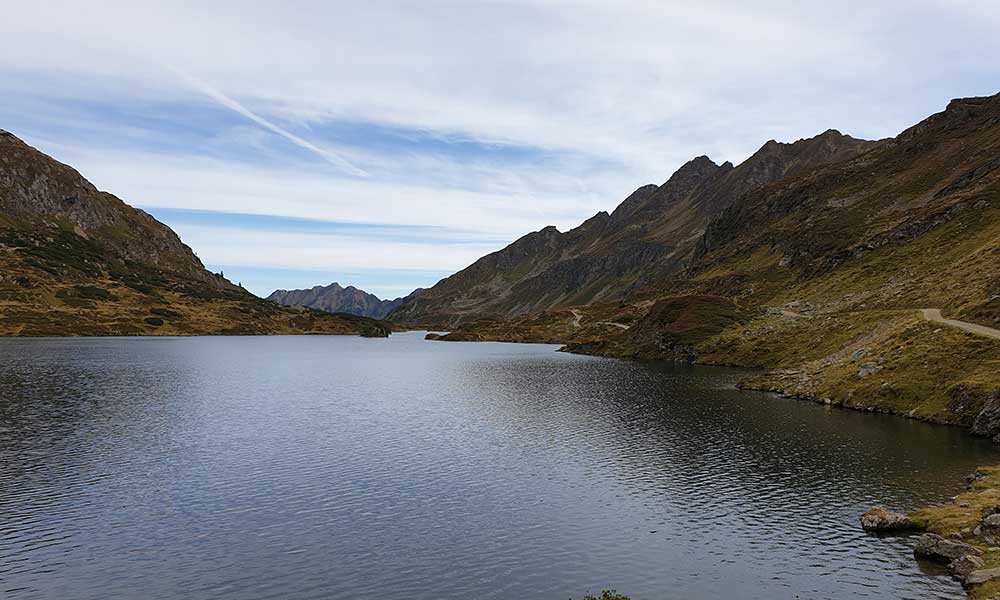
pixel 335 298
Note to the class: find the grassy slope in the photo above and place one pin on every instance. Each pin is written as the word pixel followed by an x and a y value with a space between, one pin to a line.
pixel 959 518
pixel 54 282
pixel 855 249
pixel 78 261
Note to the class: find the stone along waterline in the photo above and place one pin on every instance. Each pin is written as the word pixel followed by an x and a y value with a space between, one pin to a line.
pixel 294 466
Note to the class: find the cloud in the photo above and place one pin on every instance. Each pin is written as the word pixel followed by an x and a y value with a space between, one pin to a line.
pixel 491 208
pixel 231 246
pixel 490 118
pixel 228 102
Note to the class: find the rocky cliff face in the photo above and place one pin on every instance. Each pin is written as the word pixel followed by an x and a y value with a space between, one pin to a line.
pixel 334 298
pixel 650 235
pixel 78 261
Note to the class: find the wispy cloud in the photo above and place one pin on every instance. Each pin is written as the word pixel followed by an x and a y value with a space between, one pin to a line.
pixel 232 104
pixel 489 118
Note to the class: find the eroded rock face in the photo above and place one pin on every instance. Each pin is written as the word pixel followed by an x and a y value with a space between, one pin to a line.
pixel 878 519
pixel 935 547
pixel 987 422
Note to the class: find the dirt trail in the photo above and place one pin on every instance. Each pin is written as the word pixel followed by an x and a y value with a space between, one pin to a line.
pixel 576 317
pixel 934 314
pixel 618 325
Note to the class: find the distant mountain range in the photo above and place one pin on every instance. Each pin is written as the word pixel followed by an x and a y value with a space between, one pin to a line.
pixel 335 298
pixel 78 261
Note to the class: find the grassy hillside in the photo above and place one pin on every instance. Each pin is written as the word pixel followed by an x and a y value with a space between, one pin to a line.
pixel 817 280
pixel 78 261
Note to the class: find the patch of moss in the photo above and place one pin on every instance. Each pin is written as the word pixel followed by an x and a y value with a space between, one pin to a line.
pixel 960 518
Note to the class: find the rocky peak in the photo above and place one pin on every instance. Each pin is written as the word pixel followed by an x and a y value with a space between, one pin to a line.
pixel 595 222
pixel 776 160
pixel 650 201
pixel 960 115
pixel 695 169
pixel 337 298
pixel 35 187
pixel 633 202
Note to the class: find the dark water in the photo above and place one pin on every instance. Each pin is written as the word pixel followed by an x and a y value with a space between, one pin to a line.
pixel 321 467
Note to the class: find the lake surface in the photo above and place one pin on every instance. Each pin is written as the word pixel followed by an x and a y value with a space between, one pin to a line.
pixel 321 467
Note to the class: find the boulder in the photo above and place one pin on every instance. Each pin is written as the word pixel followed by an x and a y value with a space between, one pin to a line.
pixel 868 368
pixel 991 521
pixel 981 576
pixel 963 565
pixel 879 519
pixel 935 547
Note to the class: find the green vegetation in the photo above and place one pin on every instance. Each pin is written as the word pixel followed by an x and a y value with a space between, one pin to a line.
pixel 960 519
pixel 77 261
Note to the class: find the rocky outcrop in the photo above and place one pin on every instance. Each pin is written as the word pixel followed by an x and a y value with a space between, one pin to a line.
pixel 987 422
pixel 978 407
pixel 934 547
pixel 962 566
pixel 878 519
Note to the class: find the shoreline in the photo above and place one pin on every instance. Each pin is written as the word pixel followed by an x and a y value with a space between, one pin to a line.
pixel 962 534
pixel 956 526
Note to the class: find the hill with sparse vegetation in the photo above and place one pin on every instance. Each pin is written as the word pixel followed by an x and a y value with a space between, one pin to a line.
pixel 78 261
pixel 814 266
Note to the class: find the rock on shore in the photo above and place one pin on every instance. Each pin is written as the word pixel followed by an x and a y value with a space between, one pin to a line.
pixel 935 547
pixel 880 520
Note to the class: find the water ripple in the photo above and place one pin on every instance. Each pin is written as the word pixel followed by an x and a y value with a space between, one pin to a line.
pixel 309 467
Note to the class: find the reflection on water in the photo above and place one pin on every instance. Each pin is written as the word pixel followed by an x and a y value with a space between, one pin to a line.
pixel 303 467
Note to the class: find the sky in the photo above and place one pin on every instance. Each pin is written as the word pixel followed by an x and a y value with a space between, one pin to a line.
pixel 390 144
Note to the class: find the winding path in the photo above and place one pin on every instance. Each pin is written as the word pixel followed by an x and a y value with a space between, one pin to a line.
pixel 577 316
pixel 934 314
pixel 618 325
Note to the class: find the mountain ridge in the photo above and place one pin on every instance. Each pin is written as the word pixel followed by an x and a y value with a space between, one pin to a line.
pixel 817 276
pixel 75 260
pixel 651 234
pixel 336 298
